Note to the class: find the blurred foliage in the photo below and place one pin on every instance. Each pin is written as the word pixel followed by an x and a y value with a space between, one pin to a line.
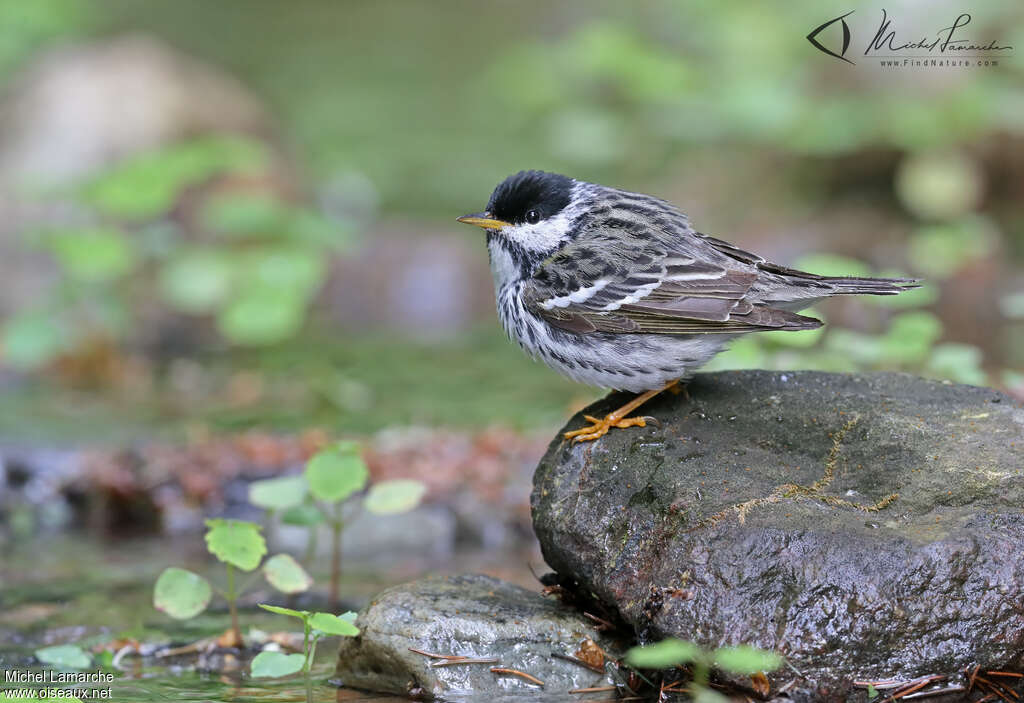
pixel 247 259
pixel 618 93
pixel 427 106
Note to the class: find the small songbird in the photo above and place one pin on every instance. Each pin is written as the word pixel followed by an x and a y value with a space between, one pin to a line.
pixel 617 289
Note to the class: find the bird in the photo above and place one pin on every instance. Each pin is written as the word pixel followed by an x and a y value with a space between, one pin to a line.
pixel 617 289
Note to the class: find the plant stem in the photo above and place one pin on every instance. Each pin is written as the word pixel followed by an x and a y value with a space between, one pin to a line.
pixel 700 675
pixel 337 525
pixel 308 663
pixel 311 546
pixel 231 597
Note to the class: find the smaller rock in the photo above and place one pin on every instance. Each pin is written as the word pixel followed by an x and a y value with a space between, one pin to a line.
pixel 478 617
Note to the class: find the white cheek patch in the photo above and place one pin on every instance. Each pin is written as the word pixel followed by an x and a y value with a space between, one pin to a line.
pixel 541 237
pixel 580 295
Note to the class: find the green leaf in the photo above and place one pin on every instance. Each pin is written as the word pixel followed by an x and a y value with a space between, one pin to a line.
pixel 244 214
pixel 942 250
pixel 872 692
pixel 286 575
pixel 94 254
pixel 745 660
pixel 910 337
pixel 832 265
pixel 393 497
pixel 801 340
pixel 336 473
pixel 148 185
pixel 939 185
pixel 300 614
pixel 236 542
pixel 30 339
pixel 333 625
pixel 64 656
pixel 181 593
pixel 262 316
pixel 299 271
pixel 278 493
pixel 708 695
pixel 664 654
pixel 197 281
pixel 276 664
pixel 958 362
pixel 349 615
pixel 304 515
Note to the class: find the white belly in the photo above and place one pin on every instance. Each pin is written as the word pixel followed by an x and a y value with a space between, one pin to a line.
pixel 629 362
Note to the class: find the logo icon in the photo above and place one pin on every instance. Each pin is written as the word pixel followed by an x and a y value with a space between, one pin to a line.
pixel 812 37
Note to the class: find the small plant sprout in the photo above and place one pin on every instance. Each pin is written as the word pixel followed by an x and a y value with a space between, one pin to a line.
pixel 670 653
pixel 336 474
pixel 315 626
pixel 183 594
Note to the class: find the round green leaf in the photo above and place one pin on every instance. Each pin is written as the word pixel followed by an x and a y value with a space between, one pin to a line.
pixel 278 493
pixel 276 664
pixel 286 575
pixel 300 614
pixel 31 339
pixel 939 185
pixel 336 473
pixel 745 660
pixel 262 316
pixel 393 497
pixel 295 269
pixel 333 625
pixel 664 654
pixel 181 593
pixel 244 214
pixel 304 515
pixel 93 255
pixel 64 656
pixel 197 281
pixel 236 542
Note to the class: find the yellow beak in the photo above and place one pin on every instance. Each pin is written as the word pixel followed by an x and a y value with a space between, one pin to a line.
pixel 483 219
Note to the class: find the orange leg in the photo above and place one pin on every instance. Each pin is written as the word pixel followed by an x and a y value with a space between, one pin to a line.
pixel 599 427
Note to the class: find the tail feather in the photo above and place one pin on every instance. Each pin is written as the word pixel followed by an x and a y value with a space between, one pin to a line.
pixel 869 286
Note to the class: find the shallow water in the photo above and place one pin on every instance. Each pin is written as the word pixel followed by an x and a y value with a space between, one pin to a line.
pixel 79 590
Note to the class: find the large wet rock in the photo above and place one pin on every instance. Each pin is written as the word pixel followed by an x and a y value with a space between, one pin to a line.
pixel 477 617
pixel 867 526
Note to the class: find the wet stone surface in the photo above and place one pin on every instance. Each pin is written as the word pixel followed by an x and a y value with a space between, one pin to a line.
pixel 866 526
pixel 478 617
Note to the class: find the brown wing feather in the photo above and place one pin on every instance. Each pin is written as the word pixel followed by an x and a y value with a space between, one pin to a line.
pixel 654 285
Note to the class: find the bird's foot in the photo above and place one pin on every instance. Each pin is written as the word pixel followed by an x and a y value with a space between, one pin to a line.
pixel 599 427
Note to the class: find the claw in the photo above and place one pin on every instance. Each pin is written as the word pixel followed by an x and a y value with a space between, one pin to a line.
pixel 599 427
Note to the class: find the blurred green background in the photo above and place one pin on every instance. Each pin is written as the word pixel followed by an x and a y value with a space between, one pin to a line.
pixel 241 213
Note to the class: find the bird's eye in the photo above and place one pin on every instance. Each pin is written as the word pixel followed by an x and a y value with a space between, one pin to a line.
pixel 533 216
